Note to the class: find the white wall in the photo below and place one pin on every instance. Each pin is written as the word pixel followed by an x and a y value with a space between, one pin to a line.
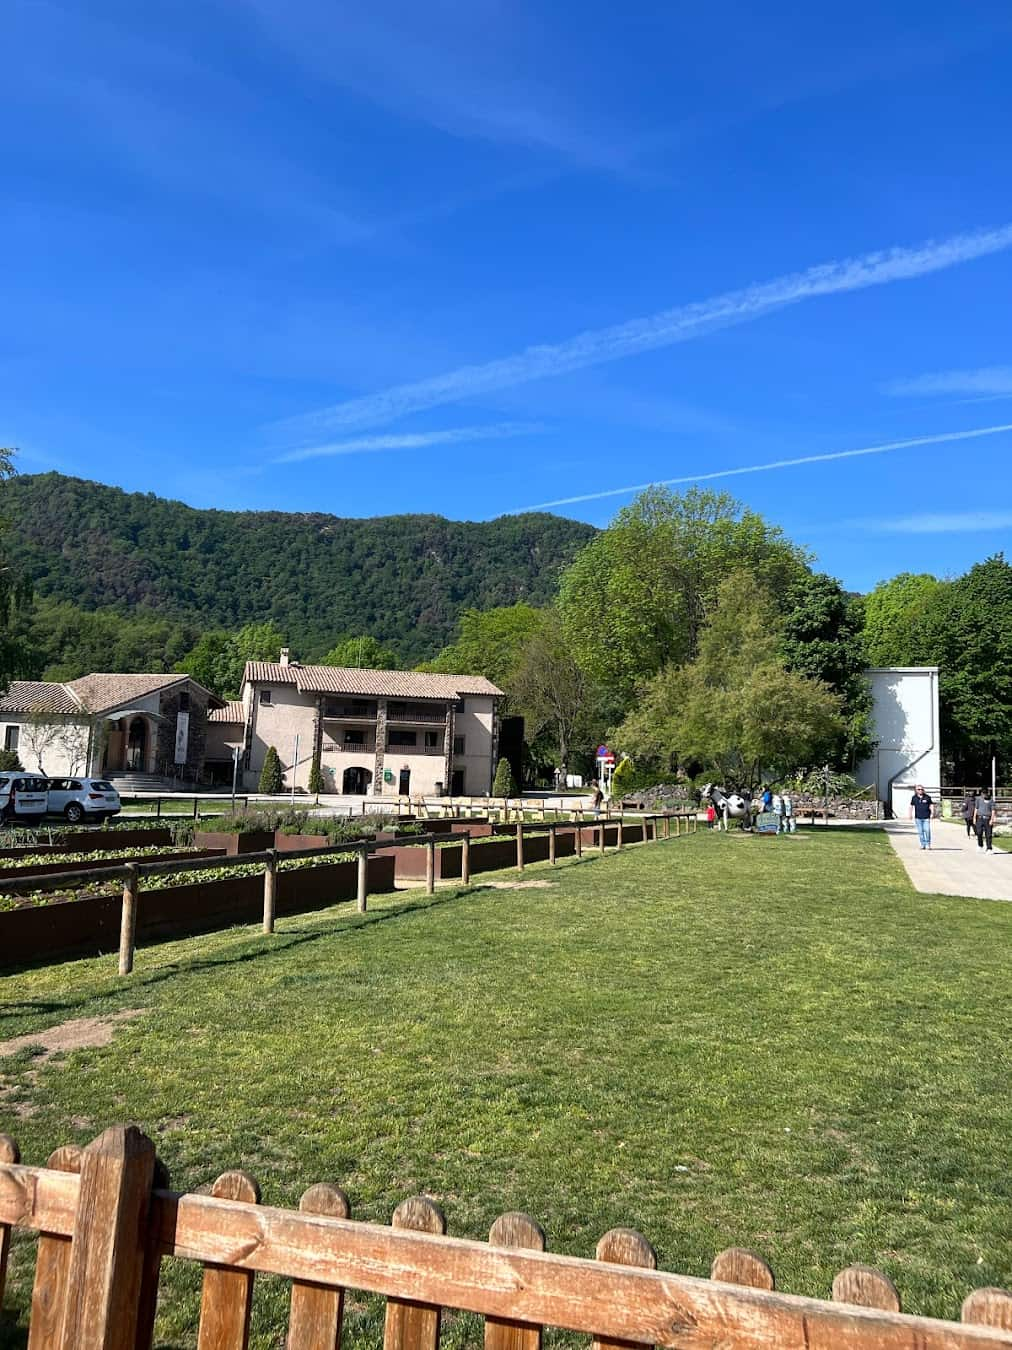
pixel 474 723
pixel 57 748
pixel 288 714
pixel 906 727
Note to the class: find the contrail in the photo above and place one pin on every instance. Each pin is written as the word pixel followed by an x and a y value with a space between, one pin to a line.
pixel 773 464
pixel 658 330
pixel 419 440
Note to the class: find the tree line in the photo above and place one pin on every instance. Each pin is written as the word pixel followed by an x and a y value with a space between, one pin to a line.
pixel 691 633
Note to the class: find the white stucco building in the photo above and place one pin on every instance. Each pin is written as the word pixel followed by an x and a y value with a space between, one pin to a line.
pixel 906 727
pixel 382 733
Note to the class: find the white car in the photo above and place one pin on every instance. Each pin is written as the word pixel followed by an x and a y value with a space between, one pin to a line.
pixel 22 796
pixel 76 798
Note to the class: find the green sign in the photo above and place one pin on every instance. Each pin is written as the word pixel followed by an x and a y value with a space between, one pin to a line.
pixel 388 775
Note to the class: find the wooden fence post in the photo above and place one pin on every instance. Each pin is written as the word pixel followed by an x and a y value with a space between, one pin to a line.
pixel 551 843
pixel 158 809
pixel 867 1287
pixel 989 1307
pixel 514 1230
pixel 196 808
pixel 410 1325
pixel 363 877
pixel 601 825
pixel 520 845
pixel 315 1320
pixel 9 1153
pixel 618 835
pixel 270 889
pixel 107 1251
pixel 579 838
pixel 737 1265
pixel 226 1299
pixel 465 858
pixel 624 1247
pixel 430 867
pixel 52 1266
pixel 128 920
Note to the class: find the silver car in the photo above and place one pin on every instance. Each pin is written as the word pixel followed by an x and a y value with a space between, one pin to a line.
pixel 22 797
pixel 76 798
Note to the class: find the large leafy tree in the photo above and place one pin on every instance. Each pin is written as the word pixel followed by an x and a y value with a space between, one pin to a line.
pixel 219 659
pixel 554 695
pixel 823 640
pixel 975 680
pixel 637 596
pixel 361 653
pixel 490 642
pixel 736 709
pixel 902 620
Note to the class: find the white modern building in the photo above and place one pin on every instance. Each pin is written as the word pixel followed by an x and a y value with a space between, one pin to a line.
pixel 905 719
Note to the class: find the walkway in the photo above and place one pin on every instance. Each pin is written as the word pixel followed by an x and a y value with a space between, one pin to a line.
pixel 954 865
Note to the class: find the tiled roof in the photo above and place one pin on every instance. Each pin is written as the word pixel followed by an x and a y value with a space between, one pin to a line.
pixel 374 683
pixel 38 696
pixel 100 693
pixel 232 712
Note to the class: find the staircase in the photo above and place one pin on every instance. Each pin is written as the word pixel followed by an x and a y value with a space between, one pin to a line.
pixel 132 784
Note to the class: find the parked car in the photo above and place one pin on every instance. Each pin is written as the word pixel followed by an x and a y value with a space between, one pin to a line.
pixel 76 798
pixel 22 797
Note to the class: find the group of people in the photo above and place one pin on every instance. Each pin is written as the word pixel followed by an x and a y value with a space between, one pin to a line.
pixel 977 811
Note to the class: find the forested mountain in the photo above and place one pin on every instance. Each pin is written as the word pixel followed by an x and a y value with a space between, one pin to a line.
pixel 402 579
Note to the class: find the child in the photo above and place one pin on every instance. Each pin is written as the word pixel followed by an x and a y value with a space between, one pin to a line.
pixel 711 816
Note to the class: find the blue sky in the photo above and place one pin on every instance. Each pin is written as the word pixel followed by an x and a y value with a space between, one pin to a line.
pixel 470 258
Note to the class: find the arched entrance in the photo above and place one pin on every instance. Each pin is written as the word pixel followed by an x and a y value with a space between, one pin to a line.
pixel 356 781
pixel 137 746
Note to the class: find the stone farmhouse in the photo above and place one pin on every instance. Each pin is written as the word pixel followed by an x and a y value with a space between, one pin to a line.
pixel 382 733
pixel 106 725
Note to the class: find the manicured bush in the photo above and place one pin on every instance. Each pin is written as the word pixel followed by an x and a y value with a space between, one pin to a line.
pixel 315 778
pixel 271 777
pixel 503 785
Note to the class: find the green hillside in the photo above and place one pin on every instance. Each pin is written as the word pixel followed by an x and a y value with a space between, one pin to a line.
pixel 404 579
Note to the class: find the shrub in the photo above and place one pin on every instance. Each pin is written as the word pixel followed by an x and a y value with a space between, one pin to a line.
pixel 271 777
pixel 503 785
pixel 9 762
pixel 623 780
pixel 315 777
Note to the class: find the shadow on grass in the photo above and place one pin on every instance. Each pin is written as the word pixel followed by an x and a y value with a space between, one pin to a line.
pixel 266 946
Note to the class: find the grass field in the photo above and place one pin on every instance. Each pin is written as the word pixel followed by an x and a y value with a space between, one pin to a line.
pixel 721 1039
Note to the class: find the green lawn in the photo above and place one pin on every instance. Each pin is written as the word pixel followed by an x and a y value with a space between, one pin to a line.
pixel 722 1039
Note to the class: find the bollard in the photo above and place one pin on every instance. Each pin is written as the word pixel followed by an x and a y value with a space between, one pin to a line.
pixel 128 920
pixel 551 843
pixel 465 858
pixel 270 890
pixel 363 878
pixel 430 867
pixel 520 846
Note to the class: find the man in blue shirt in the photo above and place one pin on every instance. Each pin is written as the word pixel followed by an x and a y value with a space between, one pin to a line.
pixel 921 810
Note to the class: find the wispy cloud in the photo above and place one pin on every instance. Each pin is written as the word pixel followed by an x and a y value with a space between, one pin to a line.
pixel 680 324
pixel 939 439
pixel 420 440
pixel 986 380
pixel 956 522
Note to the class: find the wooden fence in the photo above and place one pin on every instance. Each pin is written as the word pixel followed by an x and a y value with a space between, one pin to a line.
pixel 106 1219
pixel 131 874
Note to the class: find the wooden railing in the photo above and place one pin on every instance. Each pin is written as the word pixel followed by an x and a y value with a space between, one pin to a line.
pixel 106 1219
pixel 655 828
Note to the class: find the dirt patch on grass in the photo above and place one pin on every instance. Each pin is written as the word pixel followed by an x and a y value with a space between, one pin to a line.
pixel 514 885
pixel 80 1033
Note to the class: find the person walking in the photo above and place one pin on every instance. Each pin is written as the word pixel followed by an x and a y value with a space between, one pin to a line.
pixel 983 818
pixel 921 810
pixel 967 812
pixel 596 797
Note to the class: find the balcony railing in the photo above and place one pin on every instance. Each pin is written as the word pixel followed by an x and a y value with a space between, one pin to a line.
pixel 360 712
pixel 414 712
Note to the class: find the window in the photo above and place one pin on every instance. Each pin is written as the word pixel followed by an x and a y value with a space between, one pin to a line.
pixel 396 737
pixel 354 736
pixel 458 745
pixel 265 698
pixel 432 740
pixel 11 738
pixel 184 701
pixel 57 785
pixel 458 705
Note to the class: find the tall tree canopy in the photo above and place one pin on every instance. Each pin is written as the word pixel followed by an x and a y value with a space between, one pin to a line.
pixel 736 709
pixel 901 620
pixel 489 642
pixel 15 653
pixel 637 595
pixel 218 660
pixel 361 653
